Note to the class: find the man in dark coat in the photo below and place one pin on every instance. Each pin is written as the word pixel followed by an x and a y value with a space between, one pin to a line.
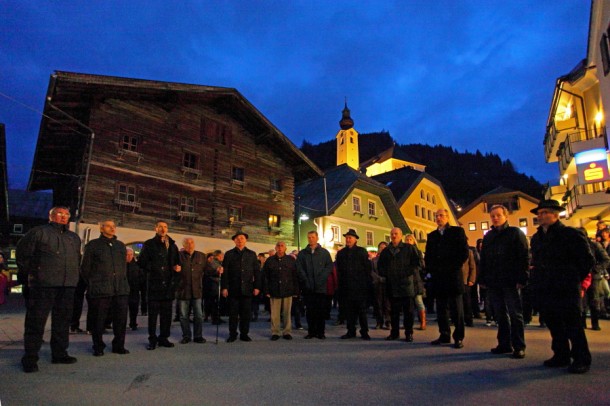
pixel 504 272
pixel 355 284
pixel 561 259
pixel 239 282
pixel 104 270
pixel 160 262
pixel 281 283
pixel 48 258
pixel 399 264
pixel 135 278
pixel 446 252
pixel 314 264
pixel 211 286
pixel 190 291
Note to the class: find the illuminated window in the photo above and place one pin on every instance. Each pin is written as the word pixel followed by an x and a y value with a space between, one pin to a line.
pixel 484 225
pixel 472 226
pixel 234 214
pixel 336 233
pixel 523 222
pixel 274 220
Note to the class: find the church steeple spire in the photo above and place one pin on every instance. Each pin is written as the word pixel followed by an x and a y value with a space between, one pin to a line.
pixel 347 141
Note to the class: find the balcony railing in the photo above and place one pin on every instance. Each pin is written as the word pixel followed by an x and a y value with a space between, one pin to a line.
pixel 590 194
pixel 578 142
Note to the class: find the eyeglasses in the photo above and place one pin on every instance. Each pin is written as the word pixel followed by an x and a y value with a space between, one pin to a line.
pixel 65 215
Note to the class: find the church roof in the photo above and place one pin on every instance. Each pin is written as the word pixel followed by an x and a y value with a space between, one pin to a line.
pixel 394 152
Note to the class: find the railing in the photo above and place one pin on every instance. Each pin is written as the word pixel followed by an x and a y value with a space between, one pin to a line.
pixel 590 194
pixel 570 146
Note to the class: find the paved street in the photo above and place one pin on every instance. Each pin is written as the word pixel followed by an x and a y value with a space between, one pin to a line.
pixel 300 372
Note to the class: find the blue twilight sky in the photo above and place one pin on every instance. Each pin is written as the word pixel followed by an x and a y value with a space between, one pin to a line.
pixel 471 74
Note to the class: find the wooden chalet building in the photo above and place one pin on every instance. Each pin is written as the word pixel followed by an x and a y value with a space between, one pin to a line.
pixel 136 151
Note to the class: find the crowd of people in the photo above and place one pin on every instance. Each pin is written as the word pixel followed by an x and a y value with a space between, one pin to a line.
pixel 561 276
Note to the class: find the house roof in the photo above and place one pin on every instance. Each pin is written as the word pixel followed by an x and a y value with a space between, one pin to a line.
pixel 335 186
pixel 70 97
pixel 497 193
pixel 393 152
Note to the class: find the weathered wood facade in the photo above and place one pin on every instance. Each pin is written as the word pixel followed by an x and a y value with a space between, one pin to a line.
pixel 202 158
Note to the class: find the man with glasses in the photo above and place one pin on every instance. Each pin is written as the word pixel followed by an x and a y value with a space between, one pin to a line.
pixel 49 255
pixel 446 251
pixel 561 259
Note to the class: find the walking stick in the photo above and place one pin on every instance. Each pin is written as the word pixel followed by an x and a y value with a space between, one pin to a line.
pixel 218 311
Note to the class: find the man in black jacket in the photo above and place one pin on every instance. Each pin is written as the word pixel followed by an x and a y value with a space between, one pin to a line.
pixel 135 279
pixel 281 283
pixel 446 252
pixel 48 258
pixel 104 270
pixel 240 281
pixel 503 271
pixel 399 264
pixel 561 259
pixel 160 262
pixel 355 284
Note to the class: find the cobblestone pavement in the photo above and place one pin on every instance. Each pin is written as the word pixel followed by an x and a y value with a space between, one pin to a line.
pixel 299 372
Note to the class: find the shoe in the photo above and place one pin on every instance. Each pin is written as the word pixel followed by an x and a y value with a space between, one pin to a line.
pixel 165 343
pixel 440 341
pixel 200 340
pixel 275 337
pixel 134 328
pixel 66 359
pixel 386 327
pixel 577 368
pixel 596 328
pixel 409 338
pixel 391 337
pixel 98 353
pixel 501 350
pixel 76 330
pixel 185 340
pixel 321 337
pixel 121 351
pixel 488 323
pixel 365 336
pixel 151 346
pixel 458 344
pixel 29 367
pixel 300 328
pixel 347 336
pixel 378 326
pixel 518 354
pixel 309 336
pixel 287 337
pixel 338 323
pixel 245 337
pixel 231 339
pixel 556 362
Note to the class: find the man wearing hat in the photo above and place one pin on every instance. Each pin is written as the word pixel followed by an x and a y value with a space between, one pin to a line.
pixel 239 282
pixel 561 259
pixel 355 283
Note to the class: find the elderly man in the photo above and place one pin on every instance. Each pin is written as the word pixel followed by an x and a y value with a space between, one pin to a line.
pixel 503 271
pixel 355 282
pixel 160 261
pixel 313 266
pixel 561 259
pixel 190 291
pixel 104 270
pixel 280 285
pixel 399 263
pixel 446 252
pixel 49 256
pixel 239 282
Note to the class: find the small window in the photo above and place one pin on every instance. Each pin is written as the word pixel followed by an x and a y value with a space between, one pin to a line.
pixel 126 193
pixel 523 222
pixel 18 228
pixel 351 140
pixel 190 160
pixel 535 221
pixel 484 225
pixel 387 238
pixel 336 233
pixel 187 204
pixel 421 236
pixel 372 209
pixel 235 214
pixel 472 226
pixel 603 47
pixel 427 197
pixel 416 211
pixel 370 240
pixel 237 174
pixel 433 199
pixel 129 143
pixel 356 204
pixel 422 194
pixel 274 220
pixel 276 185
pixel 430 215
